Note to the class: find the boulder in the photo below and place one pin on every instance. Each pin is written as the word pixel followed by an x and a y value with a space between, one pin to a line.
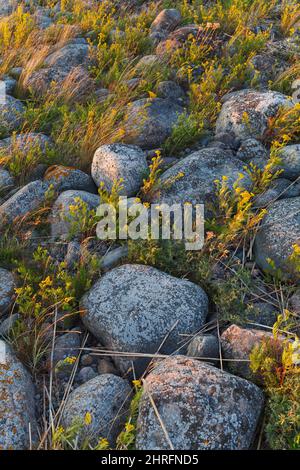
pixel 106 399
pixel 7 324
pixel 251 150
pixel 237 345
pixel 119 161
pixel 17 409
pixel 290 161
pixel 26 141
pixel 11 115
pixel 164 23
pixel 279 231
pixel 193 178
pixel 281 188
pixel 150 121
pixel 202 408
pixel 6 180
pixel 138 309
pixel 65 178
pixel 7 288
pixel 245 113
pixel 61 218
pixel 27 199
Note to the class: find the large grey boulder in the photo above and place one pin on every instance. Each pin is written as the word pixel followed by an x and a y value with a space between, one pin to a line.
pixel 71 58
pixel 61 218
pixel 11 115
pixel 245 113
pixel 202 408
pixel 27 199
pixel 17 412
pixel 7 286
pixel 279 231
pixel 119 161
pixel 138 309
pixel 150 121
pixel 193 178
pixel 106 399
pixel 290 161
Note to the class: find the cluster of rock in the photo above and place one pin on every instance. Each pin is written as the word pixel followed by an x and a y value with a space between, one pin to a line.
pixel 198 392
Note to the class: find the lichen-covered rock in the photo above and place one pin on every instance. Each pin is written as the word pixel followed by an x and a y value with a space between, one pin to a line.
pixel 65 178
pixel 27 199
pixel 119 161
pixel 237 345
pixel 72 58
pixel 6 180
pixel 245 113
pixel 280 188
pixel 164 23
pixel 193 178
pixel 279 231
pixel 150 121
pixel 26 141
pixel 61 218
pixel 290 161
pixel 17 412
pixel 138 309
pixel 170 90
pixel 202 408
pixel 106 398
pixel 7 286
pixel 251 150
pixel 11 114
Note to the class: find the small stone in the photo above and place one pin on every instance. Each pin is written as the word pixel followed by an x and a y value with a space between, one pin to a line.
pixel 86 374
pixel 205 347
pixel 86 360
pixel 106 366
